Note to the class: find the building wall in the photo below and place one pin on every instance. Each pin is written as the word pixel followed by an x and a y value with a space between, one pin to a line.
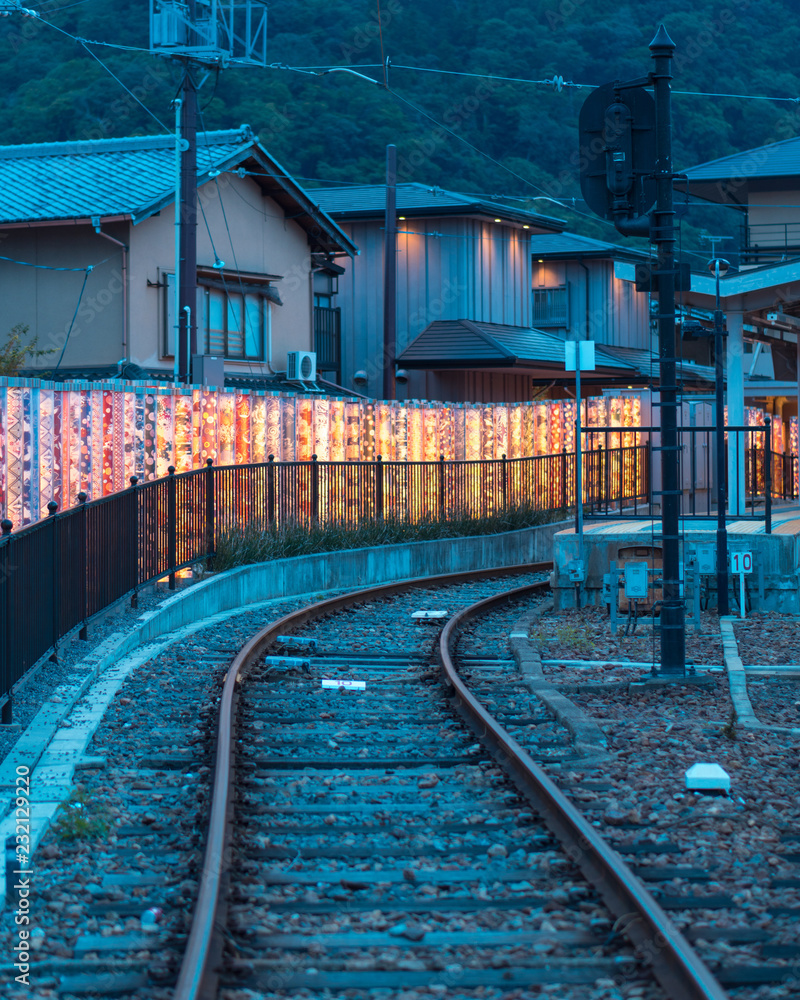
pixel 262 240
pixel 614 312
pixel 447 268
pixel 47 300
pixel 781 224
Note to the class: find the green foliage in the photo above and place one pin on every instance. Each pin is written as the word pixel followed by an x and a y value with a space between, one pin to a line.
pixel 255 543
pixel 81 817
pixel 729 729
pixel 14 354
pixel 334 128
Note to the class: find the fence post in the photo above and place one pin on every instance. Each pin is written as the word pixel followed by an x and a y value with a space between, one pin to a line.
pixel 55 617
pixel 379 487
pixel 172 525
pixel 82 498
pixel 441 488
pixel 6 713
pixel 504 468
pixel 134 534
pixel 768 476
pixel 314 488
pixel 270 489
pixel 211 547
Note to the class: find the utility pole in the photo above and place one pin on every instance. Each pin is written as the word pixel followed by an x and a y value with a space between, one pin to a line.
pixel 198 35
pixel 390 275
pixel 187 318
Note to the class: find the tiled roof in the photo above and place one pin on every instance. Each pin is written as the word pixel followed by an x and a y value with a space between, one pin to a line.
pixel 105 177
pixel 646 363
pixel 573 245
pixel 369 201
pixel 135 177
pixel 778 159
pixel 463 343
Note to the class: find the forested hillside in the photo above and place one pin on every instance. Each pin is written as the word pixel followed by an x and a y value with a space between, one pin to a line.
pixel 520 137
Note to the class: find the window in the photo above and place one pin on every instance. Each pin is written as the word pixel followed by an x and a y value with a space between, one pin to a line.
pixel 233 320
pixel 551 306
pixel 235 323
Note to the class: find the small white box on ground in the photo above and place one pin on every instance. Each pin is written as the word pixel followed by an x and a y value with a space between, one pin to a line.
pixel 708 778
pixel 439 613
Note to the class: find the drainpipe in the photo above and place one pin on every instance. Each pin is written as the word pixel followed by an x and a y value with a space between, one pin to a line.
pixel 98 230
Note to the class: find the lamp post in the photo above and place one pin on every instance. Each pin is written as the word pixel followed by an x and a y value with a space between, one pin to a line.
pixel 718 266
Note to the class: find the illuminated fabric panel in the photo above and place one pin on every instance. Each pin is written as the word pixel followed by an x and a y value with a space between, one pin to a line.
pixel 164 434
pixel 183 422
pixel 500 425
pixel 288 450
pixel 108 486
pixel 321 429
pixel 29 455
pixel 258 428
pixel 337 431
pixel 384 431
pixel 119 437
pixel 14 456
pixel 400 424
pixel 57 463
pixel 473 428
pixel 226 427
pixel 150 435
pixel 368 432
pixel 415 442
pixel 304 430
pixel 274 441
pixel 515 432
pixel 430 433
pixel 447 432
pixel 541 430
pixel 243 449
pixel 208 428
pixel 487 432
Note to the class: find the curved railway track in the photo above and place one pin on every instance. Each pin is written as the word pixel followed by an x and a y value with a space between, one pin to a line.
pixel 395 849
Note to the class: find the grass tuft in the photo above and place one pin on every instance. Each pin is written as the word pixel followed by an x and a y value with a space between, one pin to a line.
pixel 81 818
pixel 256 543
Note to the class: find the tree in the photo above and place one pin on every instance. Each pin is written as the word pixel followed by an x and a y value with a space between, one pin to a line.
pixel 14 353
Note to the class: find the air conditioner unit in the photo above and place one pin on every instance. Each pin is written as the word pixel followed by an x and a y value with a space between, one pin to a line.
pixel 301 366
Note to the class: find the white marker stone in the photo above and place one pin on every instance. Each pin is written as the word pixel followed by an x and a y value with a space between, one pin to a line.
pixel 429 614
pixel 708 777
pixel 328 682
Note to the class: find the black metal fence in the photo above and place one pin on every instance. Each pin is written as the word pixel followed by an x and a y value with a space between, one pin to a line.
pixel 760 475
pixel 59 572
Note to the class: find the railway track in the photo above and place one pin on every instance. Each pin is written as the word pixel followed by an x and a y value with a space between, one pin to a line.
pixel 378 846
pixel 383 837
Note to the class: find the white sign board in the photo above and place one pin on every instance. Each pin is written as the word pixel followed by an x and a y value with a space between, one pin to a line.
pixel 576 351
pixel 636 581
pixel 741 562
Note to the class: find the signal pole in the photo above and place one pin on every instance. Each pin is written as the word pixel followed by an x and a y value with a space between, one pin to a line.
pixel 662 233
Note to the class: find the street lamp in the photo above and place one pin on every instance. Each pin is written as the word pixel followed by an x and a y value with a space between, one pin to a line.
pixel 718 266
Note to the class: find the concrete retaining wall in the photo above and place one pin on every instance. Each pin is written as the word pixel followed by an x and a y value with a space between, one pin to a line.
pixel 347 569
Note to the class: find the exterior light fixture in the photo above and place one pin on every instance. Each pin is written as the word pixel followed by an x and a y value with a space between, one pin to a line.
pixel 498 220
pixel 541 260
pixel 526 227
pixel 402 218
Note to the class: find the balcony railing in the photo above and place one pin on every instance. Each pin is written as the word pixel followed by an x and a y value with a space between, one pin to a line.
pixel 328 338
pixel 551 306
pixel 769 241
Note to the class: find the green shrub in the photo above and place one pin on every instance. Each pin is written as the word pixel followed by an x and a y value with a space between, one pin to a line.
pixel 256 543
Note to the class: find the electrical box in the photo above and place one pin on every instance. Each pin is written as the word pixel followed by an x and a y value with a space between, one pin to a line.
pixel 636 583
pixel 706 556
pixel 207 370
pixel 576 570
pixel 650 556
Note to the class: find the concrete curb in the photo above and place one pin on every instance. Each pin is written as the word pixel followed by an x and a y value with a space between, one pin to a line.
pixel 587 736
pixel 737 682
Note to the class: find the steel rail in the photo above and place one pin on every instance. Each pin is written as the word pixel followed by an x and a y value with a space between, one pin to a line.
pixel 198 973
pixel 676 965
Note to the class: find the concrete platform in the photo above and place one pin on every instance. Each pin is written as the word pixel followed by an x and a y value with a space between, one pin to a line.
pixel 772 586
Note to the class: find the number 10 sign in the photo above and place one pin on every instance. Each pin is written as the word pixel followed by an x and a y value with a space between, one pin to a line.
pixel 741 563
